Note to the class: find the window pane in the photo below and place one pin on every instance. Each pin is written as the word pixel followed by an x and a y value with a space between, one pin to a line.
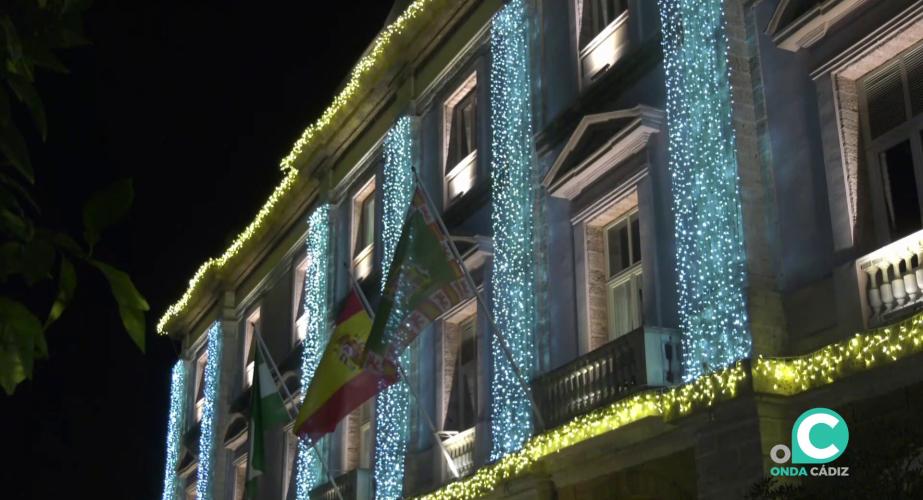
pixel 365 235
pixel 621 309
pixel 618 248
pixel 901 190
pixel 463 130
pixel 635 239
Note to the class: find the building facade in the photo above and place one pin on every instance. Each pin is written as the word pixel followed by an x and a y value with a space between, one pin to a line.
pixel 691 220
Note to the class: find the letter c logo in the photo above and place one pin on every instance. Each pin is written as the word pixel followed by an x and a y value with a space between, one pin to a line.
pixel 819 436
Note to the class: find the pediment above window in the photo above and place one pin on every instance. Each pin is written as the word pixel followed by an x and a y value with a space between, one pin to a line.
pixel 598 145
pixel 797 24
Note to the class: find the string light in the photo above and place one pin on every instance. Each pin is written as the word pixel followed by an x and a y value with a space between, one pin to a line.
pixel 385 50
pixel 203 489
pixel 668 404
pixel 308 470
pixel 175 424
pixel 512 219
pixel 393 404
pixel 710 256
pixel 789 376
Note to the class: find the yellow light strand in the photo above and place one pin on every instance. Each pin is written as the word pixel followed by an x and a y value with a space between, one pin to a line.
pixel 383 46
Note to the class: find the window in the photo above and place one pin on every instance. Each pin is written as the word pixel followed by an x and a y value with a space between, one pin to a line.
pixel 200 383
pixel 301 314
pixel 893 124
pixel 461 139
pixel 240 477
pixel 600 14
pixel 623 258
pixel 364 231
pixel 190 491
pixel 463 392
pixel 248 361
pixel 365 434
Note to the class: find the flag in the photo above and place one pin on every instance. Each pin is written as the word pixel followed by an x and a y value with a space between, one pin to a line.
pixel 266 411
pixel 425 281
pixel 340 383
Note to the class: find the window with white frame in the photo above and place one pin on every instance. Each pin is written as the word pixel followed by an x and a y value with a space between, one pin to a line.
pixel 364 231
pixel 240 477
pixel 623 274
pixel 893 125
pixel 300 312
pixel 200 363
pixel 461 139
pixel 250 331
pixel 461 413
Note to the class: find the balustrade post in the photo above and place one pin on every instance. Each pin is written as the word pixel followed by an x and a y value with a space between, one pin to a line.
pixel 887 297
pixel 910 279
pixel 874 294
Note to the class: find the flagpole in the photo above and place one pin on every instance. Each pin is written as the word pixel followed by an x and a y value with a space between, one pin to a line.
pixel 429 419
pixel 490 317
pixel 272 364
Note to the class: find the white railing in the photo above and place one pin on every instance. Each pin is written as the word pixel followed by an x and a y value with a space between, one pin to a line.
pixel 891 279
pixel 461 448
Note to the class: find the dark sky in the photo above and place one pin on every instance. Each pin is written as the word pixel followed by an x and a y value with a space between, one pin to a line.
pixel 197 101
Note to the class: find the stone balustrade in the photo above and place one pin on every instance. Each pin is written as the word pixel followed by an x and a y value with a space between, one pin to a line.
pixel 891 279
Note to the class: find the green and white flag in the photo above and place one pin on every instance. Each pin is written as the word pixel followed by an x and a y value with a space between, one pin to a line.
pixel 266 411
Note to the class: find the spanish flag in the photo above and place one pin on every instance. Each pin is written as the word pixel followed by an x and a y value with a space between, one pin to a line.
pixel 341 383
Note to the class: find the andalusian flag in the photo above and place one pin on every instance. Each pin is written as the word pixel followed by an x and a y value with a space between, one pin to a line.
pixel 266 411
pixel 340 383
pixel 424 282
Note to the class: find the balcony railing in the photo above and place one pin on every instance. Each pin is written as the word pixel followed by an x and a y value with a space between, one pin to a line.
pixel 891 280
pixel 645 357
pixel 461 448
pixel 354 485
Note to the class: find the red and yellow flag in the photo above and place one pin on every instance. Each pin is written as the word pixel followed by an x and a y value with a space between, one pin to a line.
pixel 341 384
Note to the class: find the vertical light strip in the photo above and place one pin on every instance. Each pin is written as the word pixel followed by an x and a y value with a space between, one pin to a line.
pixel 175 425
pixel 393 404
pixel 710 256
pixel 309 472
pixel 513 221
pixel 203 489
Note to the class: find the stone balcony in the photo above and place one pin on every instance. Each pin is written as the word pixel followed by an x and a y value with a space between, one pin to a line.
pixel 354 485
pixel 645 357
pixel 891 280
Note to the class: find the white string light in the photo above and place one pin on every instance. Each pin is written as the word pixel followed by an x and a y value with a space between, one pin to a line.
pixel 513 219
pixel 212 377
pixel 393 404
pixel 174 429
pixel 710 256
pixel 309 472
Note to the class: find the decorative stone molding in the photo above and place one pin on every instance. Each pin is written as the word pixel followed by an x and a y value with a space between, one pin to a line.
pixel 811 26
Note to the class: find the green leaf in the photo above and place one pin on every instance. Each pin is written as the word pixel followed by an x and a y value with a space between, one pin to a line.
pixel 63 241
pixel 21 192
pixel 37 260
pixel 29 96
pixel 13 147
pixel 105 208
pixel 14 225
pixel 10 259
pixel 67 283
pixel 132 304
pixel 43 57
pixel 19 329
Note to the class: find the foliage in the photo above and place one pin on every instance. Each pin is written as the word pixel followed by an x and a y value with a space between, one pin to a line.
pixel 31 256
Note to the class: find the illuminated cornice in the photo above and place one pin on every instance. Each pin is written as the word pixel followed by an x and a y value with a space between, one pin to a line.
pixel 776 376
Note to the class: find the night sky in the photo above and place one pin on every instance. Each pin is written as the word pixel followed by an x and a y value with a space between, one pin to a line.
pixel 197 101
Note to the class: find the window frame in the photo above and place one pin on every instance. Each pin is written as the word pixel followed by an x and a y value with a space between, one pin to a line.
pixel 631 275
pixel 362 256
pixel 300 271
pixel 911 129
pixel 252 327
pixel 468 164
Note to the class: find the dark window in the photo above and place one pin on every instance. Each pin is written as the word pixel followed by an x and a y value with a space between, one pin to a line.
pixel 463 397
pixel 365 235
pixel 623 244
pixel 601 13
pixel 900 185
pixel 463 129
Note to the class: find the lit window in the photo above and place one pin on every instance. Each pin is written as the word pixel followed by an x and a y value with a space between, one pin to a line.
pixel 200 384
pixel 252 329
pixel 365 434
pixel 623 257
pixel 301 313
pixel 893 124
pixel 364 231
pixel 461 139
pixel 599 14
pixel 463 391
